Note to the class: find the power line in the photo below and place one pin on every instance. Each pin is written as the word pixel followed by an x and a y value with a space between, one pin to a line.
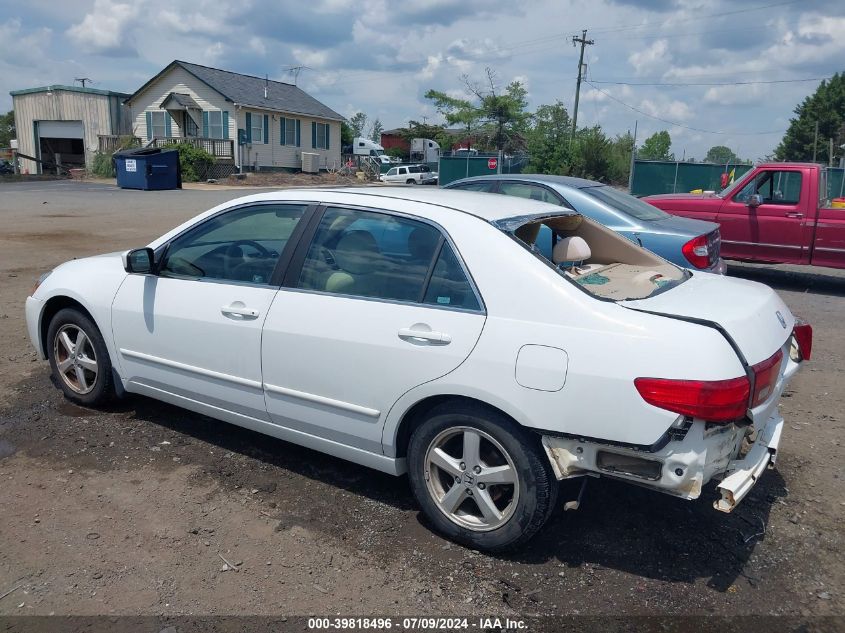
pixel 675 123
pixel 707 83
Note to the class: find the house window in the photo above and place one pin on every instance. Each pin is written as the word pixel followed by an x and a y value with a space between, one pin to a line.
pixel 288 131
pixel 158 121
pixel 215 124
pixel 191 128
pixel 257 128
pixel 322 136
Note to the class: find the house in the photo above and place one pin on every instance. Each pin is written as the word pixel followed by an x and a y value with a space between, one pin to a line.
pixel 63 124
pixel 275 122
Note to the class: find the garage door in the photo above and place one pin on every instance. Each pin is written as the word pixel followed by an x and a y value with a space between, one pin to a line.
pixel 61 142
pixel 61 129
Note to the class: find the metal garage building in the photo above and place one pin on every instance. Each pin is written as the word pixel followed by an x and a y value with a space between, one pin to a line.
pixel 64 122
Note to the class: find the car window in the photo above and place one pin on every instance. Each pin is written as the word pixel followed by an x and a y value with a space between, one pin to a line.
pixel 487 186
pixel 240 245
pixel 449 285
pixel 414 169
pixel 621 201
pixel 403 170
pixel 527 190
pixel 392 171
pixel 370 254
pixel 775 186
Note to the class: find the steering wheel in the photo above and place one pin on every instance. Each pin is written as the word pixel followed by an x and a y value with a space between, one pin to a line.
pixel 233 251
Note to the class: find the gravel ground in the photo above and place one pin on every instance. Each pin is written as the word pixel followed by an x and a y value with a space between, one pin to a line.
pixel 147 509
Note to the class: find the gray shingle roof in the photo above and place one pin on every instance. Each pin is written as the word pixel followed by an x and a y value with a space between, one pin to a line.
pixel 248 91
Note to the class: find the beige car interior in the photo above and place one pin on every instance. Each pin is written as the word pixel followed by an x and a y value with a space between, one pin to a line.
pixel 601 261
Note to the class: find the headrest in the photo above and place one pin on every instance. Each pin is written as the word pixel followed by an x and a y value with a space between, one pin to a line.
pixel 421 243
pixel 357 252
pixel 571 249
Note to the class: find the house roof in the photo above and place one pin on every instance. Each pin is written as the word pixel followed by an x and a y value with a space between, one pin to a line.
pixel 248 91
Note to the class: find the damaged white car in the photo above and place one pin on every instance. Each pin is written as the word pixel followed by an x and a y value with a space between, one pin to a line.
pixel 423 331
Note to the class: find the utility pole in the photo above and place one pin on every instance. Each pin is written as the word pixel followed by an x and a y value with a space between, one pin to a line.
pixel 815 140
pixel 575 41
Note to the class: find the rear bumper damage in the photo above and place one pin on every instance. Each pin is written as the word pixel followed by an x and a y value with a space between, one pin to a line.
pixel 684 465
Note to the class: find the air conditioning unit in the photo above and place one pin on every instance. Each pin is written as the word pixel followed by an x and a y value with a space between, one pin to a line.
pixel 310 162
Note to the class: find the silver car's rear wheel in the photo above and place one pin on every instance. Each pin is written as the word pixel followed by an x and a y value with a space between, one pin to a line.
pixel 76 359
pixel 471 478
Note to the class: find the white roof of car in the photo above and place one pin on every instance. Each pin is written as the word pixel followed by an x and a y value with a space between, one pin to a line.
pixel 486 206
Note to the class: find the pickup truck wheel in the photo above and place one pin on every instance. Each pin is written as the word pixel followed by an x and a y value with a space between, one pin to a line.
pixel 410 181
pixel 79 358
pixel 480 478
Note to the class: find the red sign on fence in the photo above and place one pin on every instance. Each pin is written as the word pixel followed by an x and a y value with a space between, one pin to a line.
pixel 492 163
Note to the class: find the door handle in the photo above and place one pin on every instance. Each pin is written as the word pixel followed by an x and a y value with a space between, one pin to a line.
pixel 235 310
pixel 425 335
pixel 794 214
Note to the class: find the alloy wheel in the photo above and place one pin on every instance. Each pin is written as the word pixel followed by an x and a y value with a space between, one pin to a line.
pixel 76 360
pixel 471 478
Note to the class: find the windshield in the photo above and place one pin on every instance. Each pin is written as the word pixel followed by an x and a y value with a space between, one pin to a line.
pixel 628 204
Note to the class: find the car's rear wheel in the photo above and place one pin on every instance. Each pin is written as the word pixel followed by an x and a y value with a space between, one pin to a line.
pixel 480 478
pixel 79 358
pixel 410 181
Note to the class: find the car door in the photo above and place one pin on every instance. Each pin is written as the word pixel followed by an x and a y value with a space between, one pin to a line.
pixel 776 230
pixel 374 305
pixel 192 332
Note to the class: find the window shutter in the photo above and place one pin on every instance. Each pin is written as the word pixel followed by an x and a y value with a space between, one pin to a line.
pixel 313 134
pixel 249 127
pixel 225 124
pixel 204 124
pixel 298 126
pixel 328 128
pixel 266 129
pixel 167 131
pixel 282 127
pixel 149 125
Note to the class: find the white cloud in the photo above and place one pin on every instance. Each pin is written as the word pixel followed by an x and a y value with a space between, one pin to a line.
pixel 673 110
pixel 654 57
pixel 102 30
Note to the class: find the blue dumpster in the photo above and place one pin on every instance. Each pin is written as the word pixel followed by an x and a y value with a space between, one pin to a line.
pixel 148 168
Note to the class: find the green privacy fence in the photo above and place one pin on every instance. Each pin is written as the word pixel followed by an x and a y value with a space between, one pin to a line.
pixel 456 167
pixel 652 177
pixel 836 183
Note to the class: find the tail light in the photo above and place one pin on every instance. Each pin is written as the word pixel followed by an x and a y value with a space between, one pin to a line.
pixel 711 400
pixel 697 251
pixel 803 333
pixel 765 377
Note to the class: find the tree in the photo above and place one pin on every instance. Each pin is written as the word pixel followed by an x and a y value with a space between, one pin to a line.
pixel 7 128
pixel 375 131
pixel 592 153
pixel 721 155
pixel 825 106
pixel 656 147
pixel 358 123
pixel 619 168
pixel 456 112
pixel 346 133
pixel 547 140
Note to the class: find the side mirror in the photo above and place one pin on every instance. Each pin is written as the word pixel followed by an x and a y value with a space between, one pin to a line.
pixel 139 260
pixel 755 200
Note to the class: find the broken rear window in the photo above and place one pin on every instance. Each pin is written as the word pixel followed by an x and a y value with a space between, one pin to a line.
pixel 596 259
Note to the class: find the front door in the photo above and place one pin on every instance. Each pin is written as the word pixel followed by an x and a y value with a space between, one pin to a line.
pixel 193 331
pixel 776 230
pixel 380 305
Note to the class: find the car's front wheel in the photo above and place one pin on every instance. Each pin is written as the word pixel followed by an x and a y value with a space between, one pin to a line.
pixel 79 358
pixel 410 181
pixel 480 478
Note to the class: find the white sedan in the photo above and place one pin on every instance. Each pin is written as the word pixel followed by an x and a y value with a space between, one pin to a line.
pixel 422 331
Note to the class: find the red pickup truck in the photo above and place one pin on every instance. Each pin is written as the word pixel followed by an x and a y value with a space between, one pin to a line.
pixel 775 213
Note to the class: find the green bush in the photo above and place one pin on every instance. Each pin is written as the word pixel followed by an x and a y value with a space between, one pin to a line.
pixel 102 166
pixel 194 161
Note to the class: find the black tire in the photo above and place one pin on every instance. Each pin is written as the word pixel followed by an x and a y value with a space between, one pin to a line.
pixel 410 181
pixel 536 482
pixel 100 387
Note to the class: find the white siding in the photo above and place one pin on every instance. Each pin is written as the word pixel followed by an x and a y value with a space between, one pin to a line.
pixel 180 81
pixel 91 109
pixel 274 154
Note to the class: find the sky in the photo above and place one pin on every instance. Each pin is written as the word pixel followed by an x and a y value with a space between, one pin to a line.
pixel 381 56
